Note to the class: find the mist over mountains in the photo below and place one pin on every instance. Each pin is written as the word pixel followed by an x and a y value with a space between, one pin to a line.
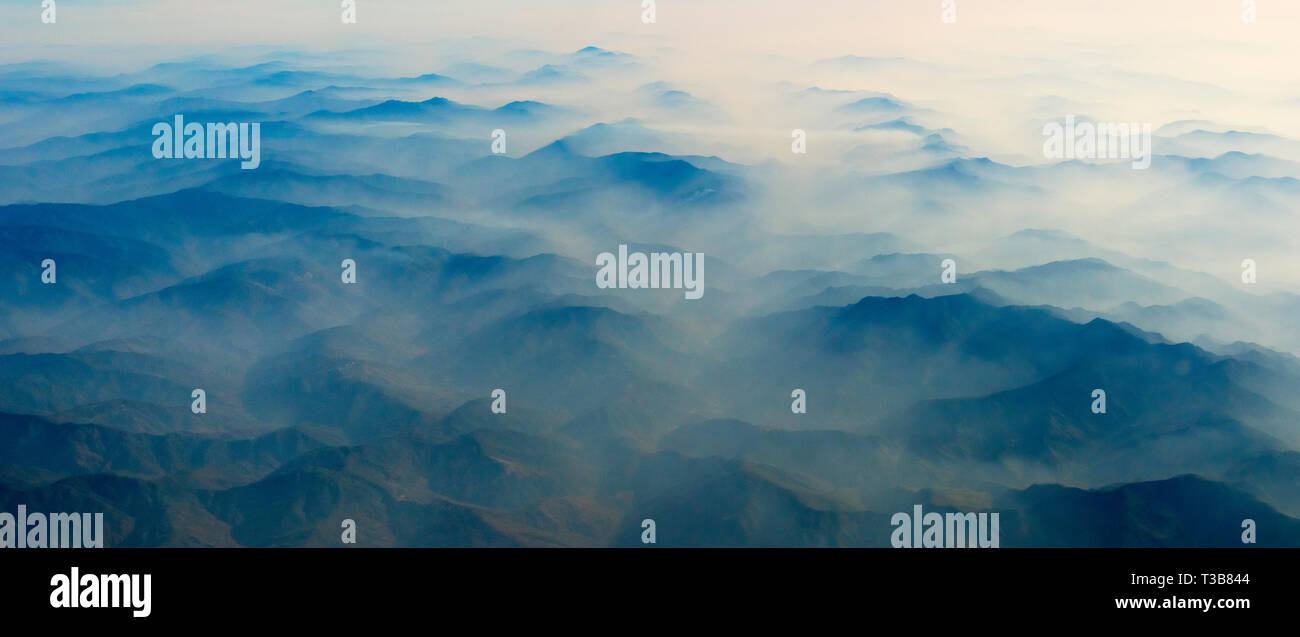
pixel 475 270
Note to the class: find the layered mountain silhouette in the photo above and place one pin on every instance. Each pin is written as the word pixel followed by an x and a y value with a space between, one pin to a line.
pixel 396 322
